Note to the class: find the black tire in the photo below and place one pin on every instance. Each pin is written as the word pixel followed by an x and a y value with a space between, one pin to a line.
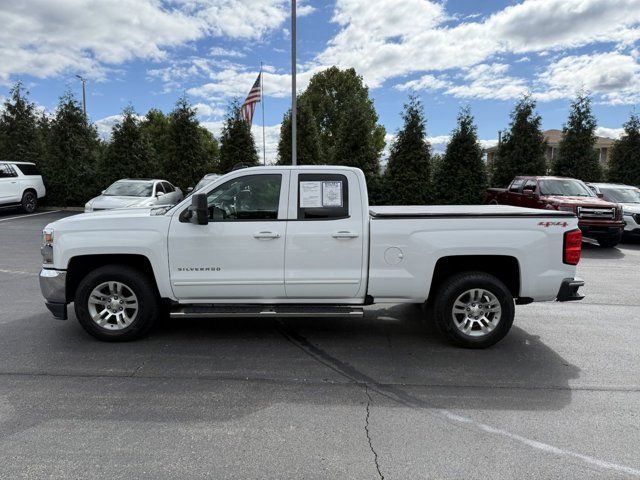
pixel 138 283
pixel 457 285
pixel 29 202
pixel 609 242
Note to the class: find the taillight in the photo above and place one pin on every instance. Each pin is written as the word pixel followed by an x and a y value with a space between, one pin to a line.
pixel 572 247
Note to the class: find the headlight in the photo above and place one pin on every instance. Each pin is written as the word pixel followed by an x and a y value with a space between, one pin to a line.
pixel 47 245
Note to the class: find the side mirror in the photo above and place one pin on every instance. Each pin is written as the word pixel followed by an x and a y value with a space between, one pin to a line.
pixel 600 195
pixel 190 189
pixel 199 208
pixel 530 193
pixel 159 194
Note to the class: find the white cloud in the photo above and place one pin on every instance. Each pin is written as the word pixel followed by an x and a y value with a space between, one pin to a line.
pixel 609 132
pixel 613 76
pixel 386 39
pixel 45 38
pixel 209 110
pixel 426 82
pixel 224 52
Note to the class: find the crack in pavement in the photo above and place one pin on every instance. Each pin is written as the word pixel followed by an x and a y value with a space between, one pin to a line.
pixel 368 433
pixel 398 395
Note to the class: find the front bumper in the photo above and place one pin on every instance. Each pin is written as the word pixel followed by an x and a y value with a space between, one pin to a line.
pixel 53 285
pixel 569 290
pixel 598 229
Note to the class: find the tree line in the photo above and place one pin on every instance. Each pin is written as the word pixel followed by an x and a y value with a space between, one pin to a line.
pixel 337 124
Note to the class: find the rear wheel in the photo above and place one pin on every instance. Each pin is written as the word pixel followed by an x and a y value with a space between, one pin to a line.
pixel 474 309
pixel 116 303
pixel 29 202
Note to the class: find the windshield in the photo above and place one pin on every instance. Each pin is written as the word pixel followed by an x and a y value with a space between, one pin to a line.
pixel 205 181
pixel 621 195
pixel 564 188
pixel 130 189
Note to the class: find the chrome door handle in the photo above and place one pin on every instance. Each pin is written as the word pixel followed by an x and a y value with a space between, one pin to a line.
pixel 345 234
pixel 266 235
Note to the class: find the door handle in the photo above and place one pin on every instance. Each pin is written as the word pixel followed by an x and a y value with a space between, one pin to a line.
pixel 345 234
pixel 266 235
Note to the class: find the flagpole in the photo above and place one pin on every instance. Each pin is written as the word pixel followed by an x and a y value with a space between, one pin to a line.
pixel 294 160
pixel 264 150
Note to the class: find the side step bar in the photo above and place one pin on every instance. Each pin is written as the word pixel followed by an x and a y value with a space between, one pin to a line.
pixel 275 311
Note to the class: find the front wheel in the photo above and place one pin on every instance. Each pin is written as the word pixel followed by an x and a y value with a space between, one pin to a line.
pixel 116 303
pixel 474 309
pixel 29 202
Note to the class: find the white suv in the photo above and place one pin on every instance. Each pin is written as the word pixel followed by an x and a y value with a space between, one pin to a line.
pixel 20 185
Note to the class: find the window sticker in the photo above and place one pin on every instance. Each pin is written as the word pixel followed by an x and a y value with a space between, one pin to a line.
pixel 310 194
pixel 332 194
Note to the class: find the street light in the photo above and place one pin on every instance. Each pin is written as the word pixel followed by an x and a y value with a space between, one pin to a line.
pixel 84 95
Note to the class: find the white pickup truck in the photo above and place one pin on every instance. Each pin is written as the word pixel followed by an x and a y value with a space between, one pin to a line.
pixel 303 241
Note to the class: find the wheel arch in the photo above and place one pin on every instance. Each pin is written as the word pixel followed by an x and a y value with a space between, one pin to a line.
pixel 79 266
pixel 504 267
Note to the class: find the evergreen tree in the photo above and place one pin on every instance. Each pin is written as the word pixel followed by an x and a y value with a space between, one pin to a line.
pixel 237 145
pixel 408 169
pixel 308 139
pixel 624 161
pixel 576 155
pixel 130 153
pixel 73 149
pixel 19 138
pixel 188 156
pixel 461 177
pixel 522 150
pixel 155 126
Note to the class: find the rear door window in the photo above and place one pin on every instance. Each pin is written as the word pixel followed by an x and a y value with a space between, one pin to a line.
pixel 323 196
pixel 7 171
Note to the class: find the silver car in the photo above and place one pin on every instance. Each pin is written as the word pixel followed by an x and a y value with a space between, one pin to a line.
pixel 135 193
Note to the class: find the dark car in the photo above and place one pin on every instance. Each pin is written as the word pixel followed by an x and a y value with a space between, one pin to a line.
pixel 597 218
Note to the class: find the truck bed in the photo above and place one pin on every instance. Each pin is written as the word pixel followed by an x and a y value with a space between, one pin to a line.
pixel 443 211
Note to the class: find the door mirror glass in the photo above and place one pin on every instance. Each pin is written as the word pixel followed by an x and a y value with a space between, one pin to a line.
pixel 199 210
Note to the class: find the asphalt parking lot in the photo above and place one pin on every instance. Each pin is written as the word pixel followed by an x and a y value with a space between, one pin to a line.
pixel 379 397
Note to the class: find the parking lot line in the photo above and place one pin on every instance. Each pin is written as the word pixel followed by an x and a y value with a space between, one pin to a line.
pixel 28 216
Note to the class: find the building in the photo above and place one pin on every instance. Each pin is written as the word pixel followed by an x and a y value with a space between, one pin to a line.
pixel 553 137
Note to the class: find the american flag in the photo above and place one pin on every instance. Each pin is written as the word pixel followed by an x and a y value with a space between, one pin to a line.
pixel 249 105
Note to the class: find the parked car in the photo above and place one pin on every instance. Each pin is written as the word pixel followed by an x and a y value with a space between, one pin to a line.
pixel 21 185
pixel 303 241
pixel 208 178
pixel 135 193
pixel 597 218
pixel 628 197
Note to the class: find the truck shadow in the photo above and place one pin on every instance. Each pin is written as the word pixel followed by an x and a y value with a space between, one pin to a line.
pixel 389 353
pixel 394 352
pixel 593 250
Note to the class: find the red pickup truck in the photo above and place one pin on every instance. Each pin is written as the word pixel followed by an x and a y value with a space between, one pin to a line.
pixel 597 218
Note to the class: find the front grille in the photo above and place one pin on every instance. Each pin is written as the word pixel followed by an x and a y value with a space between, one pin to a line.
pixel 597 213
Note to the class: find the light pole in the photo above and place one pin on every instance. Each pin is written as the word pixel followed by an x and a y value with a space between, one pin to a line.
pixel 84 95
pixel 294 106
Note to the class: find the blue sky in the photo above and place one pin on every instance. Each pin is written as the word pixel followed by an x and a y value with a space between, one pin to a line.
pixel 460 52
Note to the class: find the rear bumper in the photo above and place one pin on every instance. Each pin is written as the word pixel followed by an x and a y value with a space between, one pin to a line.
pixel 53 284
pixel 569 290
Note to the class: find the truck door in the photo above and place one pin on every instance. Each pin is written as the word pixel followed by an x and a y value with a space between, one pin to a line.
pixel 325 249
pixel 9 186
pixel 239 255
pixel 514 193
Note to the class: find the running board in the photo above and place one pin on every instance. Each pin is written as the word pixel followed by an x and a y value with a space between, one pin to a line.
pixel 275 311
